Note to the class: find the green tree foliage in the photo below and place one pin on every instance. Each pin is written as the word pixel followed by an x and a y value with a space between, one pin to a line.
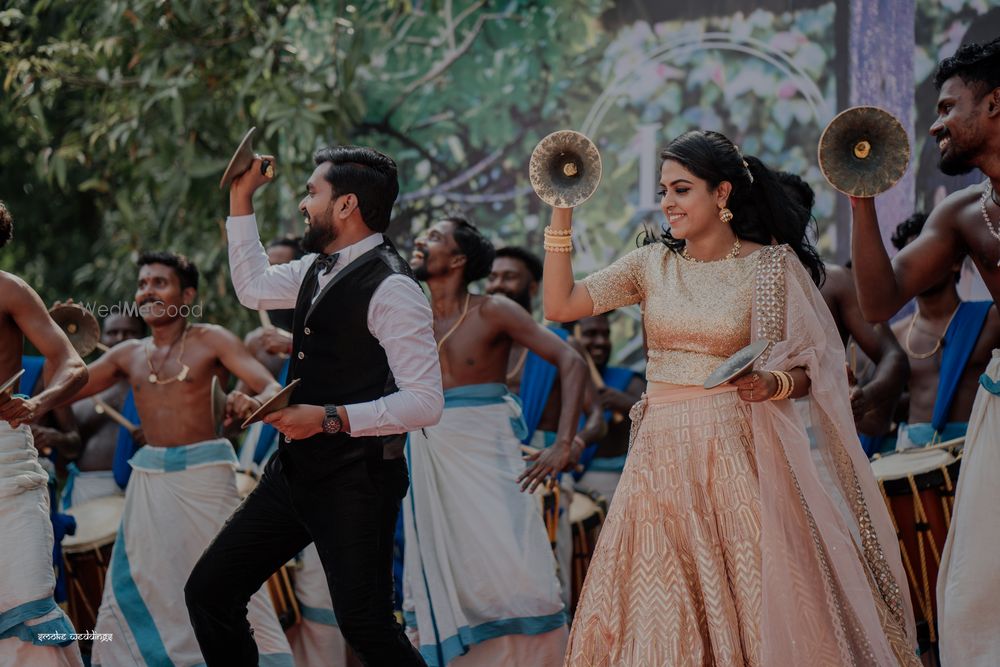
pixel 118 117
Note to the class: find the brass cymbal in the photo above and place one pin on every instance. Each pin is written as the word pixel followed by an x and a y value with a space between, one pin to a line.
pixel 565 169
pixel 863 151
pixel 79 325
pixel 242 159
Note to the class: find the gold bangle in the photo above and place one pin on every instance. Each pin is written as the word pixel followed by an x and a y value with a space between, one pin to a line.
pixel 551 231
pixel 558 248
pixel 563 240
pixel 564 243
pixel 786 385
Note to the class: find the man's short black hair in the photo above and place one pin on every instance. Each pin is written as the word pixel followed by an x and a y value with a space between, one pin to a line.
pixel 6 225
pixel 908 229
pixel 526 257
pixel 185 269
pixel 293 242
pixel 366 173
pixel 478 250
pixel 978 65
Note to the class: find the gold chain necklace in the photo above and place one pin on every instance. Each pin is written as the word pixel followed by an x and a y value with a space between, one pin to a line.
pixel 988 194
pixel 454 327
pixel 154 373
pixel 733 254
pixel 937 346
pixel 511 374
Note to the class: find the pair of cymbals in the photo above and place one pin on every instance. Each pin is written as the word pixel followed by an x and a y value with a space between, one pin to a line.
pixel 79 325
pixel 565 169
pixel 864 151
pixel 243 159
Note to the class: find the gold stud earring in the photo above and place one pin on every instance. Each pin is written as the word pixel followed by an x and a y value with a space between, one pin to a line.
pixel 725 215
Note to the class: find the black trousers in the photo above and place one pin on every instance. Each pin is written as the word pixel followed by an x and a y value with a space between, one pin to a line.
pixel 350 515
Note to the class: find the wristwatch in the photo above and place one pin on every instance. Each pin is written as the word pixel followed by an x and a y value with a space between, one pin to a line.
pixel 332 422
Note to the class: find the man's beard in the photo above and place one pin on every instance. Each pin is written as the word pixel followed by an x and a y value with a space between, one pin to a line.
pixel 421 273
pixel 956 161
pixel 318 237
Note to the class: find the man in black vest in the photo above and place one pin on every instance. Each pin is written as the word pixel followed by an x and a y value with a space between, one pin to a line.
pixel 363 348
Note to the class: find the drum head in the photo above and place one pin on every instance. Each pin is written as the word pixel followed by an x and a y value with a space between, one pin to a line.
pixel 97 523
pixel 245 483
pixel 911 462
pixel 582 508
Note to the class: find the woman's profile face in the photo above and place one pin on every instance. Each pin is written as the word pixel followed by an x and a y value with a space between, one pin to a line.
pixel 690 205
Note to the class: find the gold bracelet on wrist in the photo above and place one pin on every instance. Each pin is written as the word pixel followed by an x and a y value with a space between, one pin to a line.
pixel 786 385
pixel 558 248
pixel 551 231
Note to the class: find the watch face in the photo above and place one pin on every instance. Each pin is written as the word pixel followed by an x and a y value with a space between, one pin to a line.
pixel 332 425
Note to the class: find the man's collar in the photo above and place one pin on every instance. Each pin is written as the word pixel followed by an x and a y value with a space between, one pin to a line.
pixel 355 250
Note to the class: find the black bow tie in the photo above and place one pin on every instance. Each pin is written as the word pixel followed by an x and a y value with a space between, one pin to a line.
pixel 325 263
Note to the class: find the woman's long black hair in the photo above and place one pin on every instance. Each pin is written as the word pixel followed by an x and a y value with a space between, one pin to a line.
pixel 762 212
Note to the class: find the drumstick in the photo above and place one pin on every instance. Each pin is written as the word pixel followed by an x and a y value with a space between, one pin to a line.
pixel 947 444
pixel 103 408
pixel 529 450
pixel 265 319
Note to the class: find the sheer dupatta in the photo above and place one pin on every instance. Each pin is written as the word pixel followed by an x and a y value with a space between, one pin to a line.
pixel 834 591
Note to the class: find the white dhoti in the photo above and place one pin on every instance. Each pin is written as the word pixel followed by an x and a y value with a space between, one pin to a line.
pixel 33 629
pixel 968 585
pixel 479 575
pixel 88 485
pixel 316 641
pixel 177 500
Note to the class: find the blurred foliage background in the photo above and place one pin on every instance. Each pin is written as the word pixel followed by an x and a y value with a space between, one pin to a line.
pixel 117 117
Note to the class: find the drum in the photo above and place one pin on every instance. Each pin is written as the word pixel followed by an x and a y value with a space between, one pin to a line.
pixel 87 555
pixel 549 499
pixel 586 515
pixel 919 488
pixel 245 483
pixel 281 585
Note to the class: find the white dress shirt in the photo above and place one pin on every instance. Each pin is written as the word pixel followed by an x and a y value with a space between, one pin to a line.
pixel 399 317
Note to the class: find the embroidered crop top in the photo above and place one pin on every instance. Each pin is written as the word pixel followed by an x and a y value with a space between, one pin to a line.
pixel 695 314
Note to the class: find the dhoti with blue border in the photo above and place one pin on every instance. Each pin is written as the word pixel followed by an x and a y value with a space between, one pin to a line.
pixel 968 585
pixel 176 501
pixel 33 629
pixel 480 585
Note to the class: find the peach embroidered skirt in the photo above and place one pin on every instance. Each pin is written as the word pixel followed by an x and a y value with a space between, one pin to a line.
pixel 676 574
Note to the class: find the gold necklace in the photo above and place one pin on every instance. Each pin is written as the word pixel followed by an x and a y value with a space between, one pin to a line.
pixel 154 373
pixel 454 327
pixel 733 254
pixel 937 346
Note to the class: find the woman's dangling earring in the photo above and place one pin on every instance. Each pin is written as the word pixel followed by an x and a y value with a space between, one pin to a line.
pixel 725 215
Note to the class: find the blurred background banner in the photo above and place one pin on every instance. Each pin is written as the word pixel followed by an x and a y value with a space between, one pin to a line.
pixel 118 116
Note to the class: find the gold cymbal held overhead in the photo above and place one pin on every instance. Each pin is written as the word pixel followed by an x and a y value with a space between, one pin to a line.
pixel 242 160
pixel 864 151
pixel 565 169
pixel 79 325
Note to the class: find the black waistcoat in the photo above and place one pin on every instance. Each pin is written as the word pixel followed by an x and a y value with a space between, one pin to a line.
pixel 338 360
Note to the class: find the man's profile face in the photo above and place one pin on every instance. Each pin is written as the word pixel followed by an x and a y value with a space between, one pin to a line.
pixel 509 276
pixel 434 251
pixel 317 208
pixel 280 254
pixel 119 328
pixel 595 334
pixel 158 294
pixel 958 129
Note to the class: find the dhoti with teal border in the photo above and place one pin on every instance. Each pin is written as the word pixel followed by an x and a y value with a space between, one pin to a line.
pixel 480 585
pixel 33 630
pixel 968 585
pixel 176 501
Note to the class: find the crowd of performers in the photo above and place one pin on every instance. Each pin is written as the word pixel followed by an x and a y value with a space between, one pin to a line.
pixel 437 482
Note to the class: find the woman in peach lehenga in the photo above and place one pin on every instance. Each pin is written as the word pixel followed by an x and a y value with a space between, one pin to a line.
pixel 722 546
